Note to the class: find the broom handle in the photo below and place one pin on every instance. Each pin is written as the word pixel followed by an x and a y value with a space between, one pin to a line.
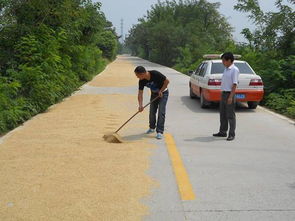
pixel 137 113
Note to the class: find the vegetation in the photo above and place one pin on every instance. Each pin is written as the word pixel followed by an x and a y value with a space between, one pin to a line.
pixel 48 49
pixel 271 51
pixel 178 33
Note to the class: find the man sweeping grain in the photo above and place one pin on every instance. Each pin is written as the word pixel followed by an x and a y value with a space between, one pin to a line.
pixel 157 82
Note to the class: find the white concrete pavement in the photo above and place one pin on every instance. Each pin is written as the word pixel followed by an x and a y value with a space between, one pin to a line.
pixel 250 178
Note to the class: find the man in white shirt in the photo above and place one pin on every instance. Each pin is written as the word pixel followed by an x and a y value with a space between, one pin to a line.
pixel 229 84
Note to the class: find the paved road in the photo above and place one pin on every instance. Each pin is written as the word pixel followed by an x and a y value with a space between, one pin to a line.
pixel 250 178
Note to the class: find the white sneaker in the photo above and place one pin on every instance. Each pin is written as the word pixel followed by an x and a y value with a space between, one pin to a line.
pixel 159 136
pixel 150 131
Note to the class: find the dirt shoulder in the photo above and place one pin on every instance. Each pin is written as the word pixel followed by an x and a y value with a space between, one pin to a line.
pixel 58 167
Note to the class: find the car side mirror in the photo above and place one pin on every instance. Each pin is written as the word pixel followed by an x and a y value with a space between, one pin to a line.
pixel 190 73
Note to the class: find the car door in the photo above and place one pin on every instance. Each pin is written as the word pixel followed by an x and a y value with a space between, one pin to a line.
pixel 202 80
pixel 196 85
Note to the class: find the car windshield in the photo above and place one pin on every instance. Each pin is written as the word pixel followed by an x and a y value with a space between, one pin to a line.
pixel 218 68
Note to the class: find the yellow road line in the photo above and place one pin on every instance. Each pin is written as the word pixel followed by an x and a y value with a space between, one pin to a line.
pixel 184 185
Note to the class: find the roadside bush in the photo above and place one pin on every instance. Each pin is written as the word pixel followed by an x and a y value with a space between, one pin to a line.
pixel 12 111
pixel 48 53
pixel 87 61
pixel 283 102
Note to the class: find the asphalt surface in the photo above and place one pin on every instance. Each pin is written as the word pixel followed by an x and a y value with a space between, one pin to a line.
pixel 250 178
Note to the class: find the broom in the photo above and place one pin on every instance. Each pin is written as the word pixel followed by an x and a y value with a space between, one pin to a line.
pixel 114 137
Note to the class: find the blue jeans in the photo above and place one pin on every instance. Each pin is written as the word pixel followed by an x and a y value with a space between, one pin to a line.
pixel 160 105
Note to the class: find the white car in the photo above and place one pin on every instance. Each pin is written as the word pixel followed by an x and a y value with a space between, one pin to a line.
pixel 205 82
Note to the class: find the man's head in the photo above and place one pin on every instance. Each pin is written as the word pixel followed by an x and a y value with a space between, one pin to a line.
pixel 140 72
pixel 227 59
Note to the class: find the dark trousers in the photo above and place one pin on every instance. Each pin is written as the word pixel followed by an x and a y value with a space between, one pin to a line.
pixel 160 106
pixel 227 115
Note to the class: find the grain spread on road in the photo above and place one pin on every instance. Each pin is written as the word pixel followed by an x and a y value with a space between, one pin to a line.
pixel 119 74
pixel 58 167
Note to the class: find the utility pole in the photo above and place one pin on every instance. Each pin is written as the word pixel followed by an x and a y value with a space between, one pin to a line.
pixel 122 30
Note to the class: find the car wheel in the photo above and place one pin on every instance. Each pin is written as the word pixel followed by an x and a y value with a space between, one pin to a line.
pixel 191 93
pixel 203 101
pixel 252 104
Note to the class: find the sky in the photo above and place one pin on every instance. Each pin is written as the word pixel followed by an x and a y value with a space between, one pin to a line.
pixel 131 10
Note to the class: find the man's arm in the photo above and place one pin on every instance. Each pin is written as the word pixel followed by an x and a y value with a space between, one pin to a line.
pixel 166 82
pixel 235 79
pixel 140 100
pixel 232 94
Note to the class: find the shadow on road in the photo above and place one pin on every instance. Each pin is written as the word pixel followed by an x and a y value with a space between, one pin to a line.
pixel 134 137
pixel 243 108
pixel 194 106
pixel 138 61
pixel 206 139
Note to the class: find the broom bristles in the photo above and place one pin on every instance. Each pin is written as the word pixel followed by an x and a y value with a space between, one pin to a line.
pixel 113 138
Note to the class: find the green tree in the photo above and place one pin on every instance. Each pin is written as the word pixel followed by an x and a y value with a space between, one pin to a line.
pixel 178 33
pixel 271 51
pixel 275 30
pixel 48 48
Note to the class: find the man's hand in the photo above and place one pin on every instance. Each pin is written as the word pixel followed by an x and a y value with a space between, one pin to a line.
pixel 140 108
pixel 160 94
pixel 229 100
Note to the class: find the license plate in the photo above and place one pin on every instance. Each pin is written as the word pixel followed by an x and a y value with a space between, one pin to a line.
pixel 240 96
